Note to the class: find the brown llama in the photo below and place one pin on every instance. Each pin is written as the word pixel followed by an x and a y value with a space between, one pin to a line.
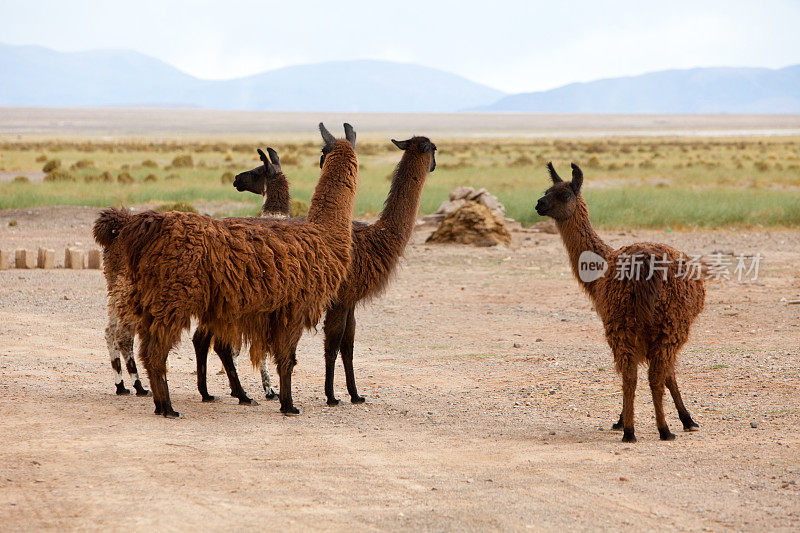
pixel 269 181
pixel 272 184
pixel 254 280
pixel 376 250
pixel 647 304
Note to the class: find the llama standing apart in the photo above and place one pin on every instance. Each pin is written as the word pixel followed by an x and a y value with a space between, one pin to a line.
pixel 269 181
pixel 647 313
pixel 376 250
pixel 261 281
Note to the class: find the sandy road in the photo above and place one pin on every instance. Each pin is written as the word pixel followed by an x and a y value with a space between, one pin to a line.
pixel 489 388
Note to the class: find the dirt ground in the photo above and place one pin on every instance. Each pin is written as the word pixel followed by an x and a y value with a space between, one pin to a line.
pixel 490 394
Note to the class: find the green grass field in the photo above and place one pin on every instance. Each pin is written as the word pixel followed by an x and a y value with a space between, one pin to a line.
pixel 629 182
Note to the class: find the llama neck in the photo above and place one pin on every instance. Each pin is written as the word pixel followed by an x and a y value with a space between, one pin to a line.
pixel 579 236
pixel 277 201
pixel 400 210
pixel 334 196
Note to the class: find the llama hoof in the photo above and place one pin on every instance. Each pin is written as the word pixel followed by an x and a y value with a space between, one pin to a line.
pixel 333 401
pixel 357 399
pixel 666 434
pixel 141 391
pixel 689 424
pixel 290 411
pixel 209 399
pixel 172 414
pixel 121 390
pixel 247 401
pixel 618 426
pixel 628 436
pixel 271 394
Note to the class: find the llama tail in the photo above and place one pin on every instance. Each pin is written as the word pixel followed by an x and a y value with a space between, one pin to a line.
pixel 107 225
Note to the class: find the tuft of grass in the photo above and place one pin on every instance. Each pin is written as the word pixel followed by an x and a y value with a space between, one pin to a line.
pixel 149 163
pixel 186 207
pixel 183 161
pixel 58 174
pixel 226 178
pixel 150 178
pixel 299 208
pixel 125 178
pixel 21 179
pixel 82 163
pixel 51 165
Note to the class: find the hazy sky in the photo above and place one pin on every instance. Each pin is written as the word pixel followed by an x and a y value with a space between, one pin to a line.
pixel 511 45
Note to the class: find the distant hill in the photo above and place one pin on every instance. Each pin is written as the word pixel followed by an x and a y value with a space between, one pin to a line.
pixel 36 76
pixel 699 90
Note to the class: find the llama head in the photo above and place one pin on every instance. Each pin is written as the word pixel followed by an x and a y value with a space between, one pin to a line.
pixel 420 145
pixel 330 140
pixel 560 200
pixel 258 179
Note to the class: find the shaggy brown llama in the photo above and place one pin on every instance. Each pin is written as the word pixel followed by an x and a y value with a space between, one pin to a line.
pixel 269 181
pixel 254 280
pixel 647 311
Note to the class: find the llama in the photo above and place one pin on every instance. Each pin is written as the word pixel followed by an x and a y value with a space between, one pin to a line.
pixel 254 280
pixel 269 181
pixel 376 250
pixel 647 313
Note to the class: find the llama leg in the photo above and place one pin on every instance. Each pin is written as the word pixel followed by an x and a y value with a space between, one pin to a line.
pixel 617 426
pixel 285 356
pixel 153 353
pixel 335 323
pixel 629 378
pixel 115 355
pixel 683 413
pixel 656 376
pixel 202 341
pixel 124 335
pixel 266 381
pixel 348 340
pixel 225 353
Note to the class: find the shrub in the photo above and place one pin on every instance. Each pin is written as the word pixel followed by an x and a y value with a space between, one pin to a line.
pixel 761 166
pixel 83 163
pixel 290 160
pixel 41 159
pixel 183 161
pixel 13 222
pixel 299 208
pixel 186 207
pixel 614 166
pixel 149 163
pixel 51 165
pixel 172 176
pixel 647 164
pixel 21 179
pixel 124 177
pixel 89 178
pixel 126 166
pixel 522 161
pixel 150 178
pixel 593 162
pixel 228 157
pixel 59 175
pixel 226 178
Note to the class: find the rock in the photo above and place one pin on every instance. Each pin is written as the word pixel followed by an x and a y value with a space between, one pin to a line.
pixel 472 223
pixel 46 258
pixel 94 260
pixel 73 259
pixel 5 260
pixel 24 259
pixel 546 226
pixel 461 195
pixel 461 192
pixel 753 425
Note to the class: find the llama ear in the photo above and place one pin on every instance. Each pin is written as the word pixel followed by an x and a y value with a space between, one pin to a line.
pixel 553 174
pixel 273 156
pixel 426 146
pixel 262 155
pixel 403 145
pixel 350 134
pixel 326 135
pixel 577 179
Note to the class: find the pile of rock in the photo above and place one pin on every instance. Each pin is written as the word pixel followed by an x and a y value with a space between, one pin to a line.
pixel 461 196
pixel 470 217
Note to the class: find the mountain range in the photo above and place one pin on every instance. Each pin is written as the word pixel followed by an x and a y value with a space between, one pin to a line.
pixel 37 76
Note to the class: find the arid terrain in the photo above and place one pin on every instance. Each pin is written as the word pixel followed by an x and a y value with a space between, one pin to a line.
pixel 490 396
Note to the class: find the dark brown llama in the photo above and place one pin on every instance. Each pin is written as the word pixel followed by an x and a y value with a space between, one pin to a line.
pixel 269 181
pixel 645 297
pixel 253 280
